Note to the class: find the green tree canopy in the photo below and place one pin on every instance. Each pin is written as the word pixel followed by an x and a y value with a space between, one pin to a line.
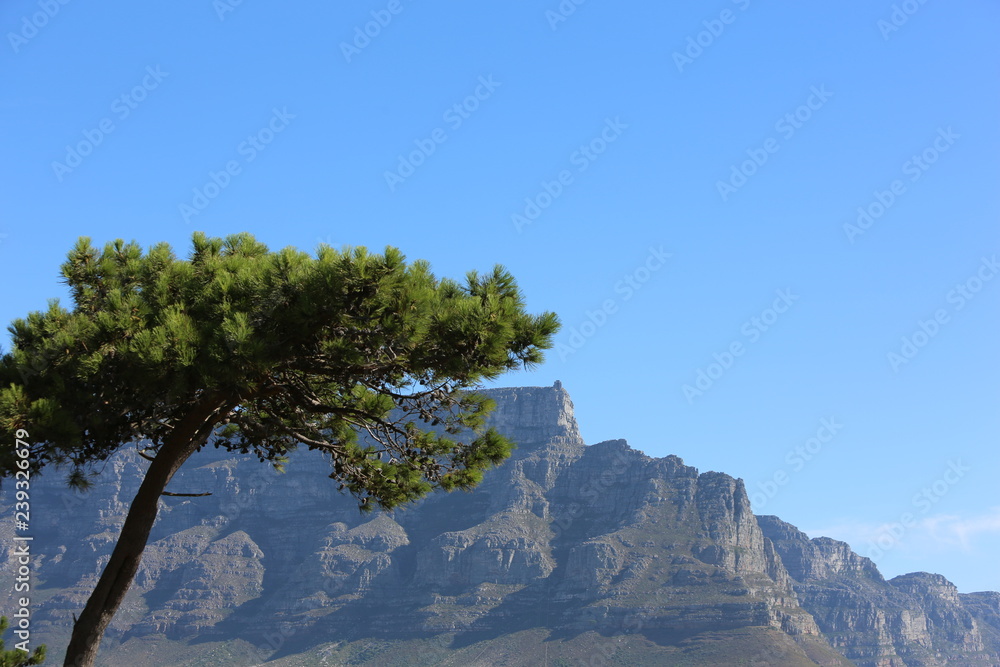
pixel 294 349
pixel 17 657
pixel 261 352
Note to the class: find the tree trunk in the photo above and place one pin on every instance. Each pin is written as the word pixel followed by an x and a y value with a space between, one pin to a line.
pixel 192 432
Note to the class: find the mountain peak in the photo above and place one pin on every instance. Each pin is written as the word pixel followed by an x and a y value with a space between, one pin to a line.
pixel 534 416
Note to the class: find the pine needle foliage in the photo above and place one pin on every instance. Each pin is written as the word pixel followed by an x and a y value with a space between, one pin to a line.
pixel 363 356
pixel 16 657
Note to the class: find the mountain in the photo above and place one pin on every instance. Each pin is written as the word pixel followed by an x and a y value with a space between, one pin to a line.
pixel 566 554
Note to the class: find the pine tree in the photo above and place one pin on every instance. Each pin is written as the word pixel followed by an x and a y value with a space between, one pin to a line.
pixel 261 352
pixel 17 657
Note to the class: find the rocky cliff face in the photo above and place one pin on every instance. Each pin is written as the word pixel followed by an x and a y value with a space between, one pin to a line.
pixel 913 619
pixel 595 549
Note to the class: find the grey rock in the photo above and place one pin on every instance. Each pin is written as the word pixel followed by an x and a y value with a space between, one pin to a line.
pixel 913 619
pixel 565 537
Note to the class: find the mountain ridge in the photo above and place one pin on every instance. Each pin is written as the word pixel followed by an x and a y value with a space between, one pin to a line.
pixel 567 551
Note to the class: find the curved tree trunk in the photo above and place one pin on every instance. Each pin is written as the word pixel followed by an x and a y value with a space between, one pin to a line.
pixel 192 432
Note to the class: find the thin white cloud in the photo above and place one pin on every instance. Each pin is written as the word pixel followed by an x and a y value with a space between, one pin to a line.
pixel 949 529
pixel 936 532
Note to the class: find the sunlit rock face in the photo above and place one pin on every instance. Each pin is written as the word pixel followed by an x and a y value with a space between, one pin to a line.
pixel 573 540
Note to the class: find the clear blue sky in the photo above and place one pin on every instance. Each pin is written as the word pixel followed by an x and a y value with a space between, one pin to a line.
pixel 693 168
